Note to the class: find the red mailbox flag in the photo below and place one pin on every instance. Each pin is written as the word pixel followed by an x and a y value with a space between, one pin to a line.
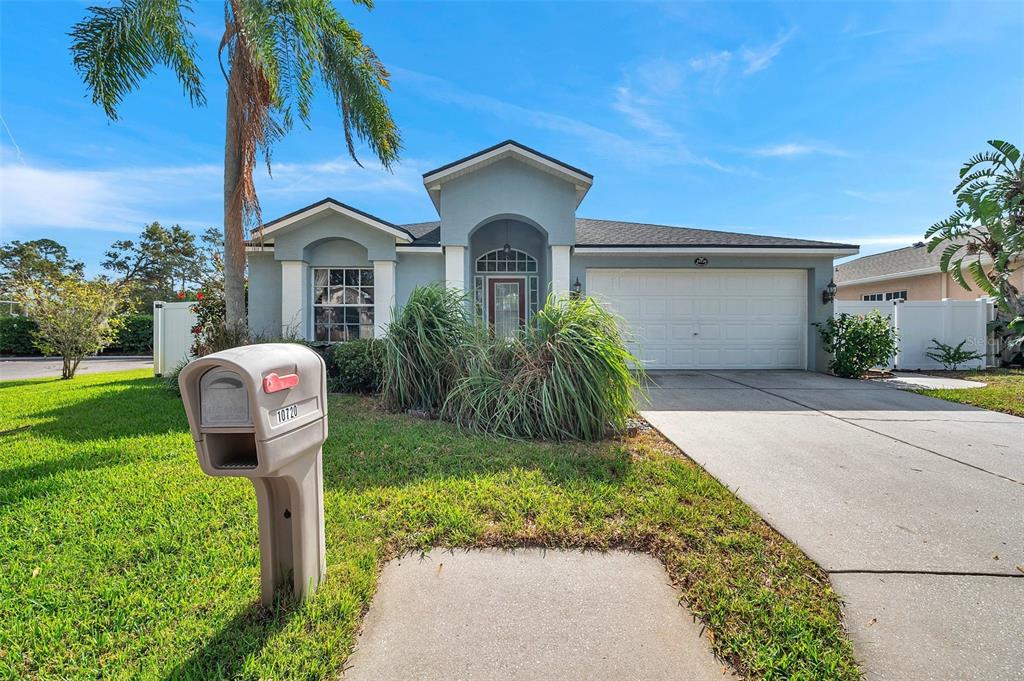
pixel 272 383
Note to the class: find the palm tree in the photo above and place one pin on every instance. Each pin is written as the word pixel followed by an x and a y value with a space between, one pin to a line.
pixel 985 235
pixel 272 54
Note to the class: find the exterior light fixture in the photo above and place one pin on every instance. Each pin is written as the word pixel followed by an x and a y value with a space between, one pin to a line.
pixel 507 248
pixel 577 288
pixel 829 294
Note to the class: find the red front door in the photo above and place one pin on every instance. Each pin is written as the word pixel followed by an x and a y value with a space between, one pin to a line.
pixel 506 305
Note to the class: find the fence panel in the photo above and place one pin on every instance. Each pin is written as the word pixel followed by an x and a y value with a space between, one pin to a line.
pixel 172 335
pixel 920 323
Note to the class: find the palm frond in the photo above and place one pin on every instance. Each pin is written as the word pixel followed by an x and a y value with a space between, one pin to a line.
pixel 357 79
pixel 955 270
pixel 981 277
pixel 1006 149
pixel 115 48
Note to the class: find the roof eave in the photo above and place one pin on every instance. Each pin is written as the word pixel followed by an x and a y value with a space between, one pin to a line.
pixel 401 234
pixel 835 250
pixel 434 179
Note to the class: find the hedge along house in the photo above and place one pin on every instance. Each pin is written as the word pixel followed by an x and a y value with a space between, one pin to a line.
pixel 508 235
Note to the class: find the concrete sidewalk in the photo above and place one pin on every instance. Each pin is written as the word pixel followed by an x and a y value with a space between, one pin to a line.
pixel 529 615
pixel 22 368
pixel 915 506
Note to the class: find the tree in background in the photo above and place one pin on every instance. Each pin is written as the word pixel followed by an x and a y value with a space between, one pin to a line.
pixel 984 237
pixel 272 53
pixel 74 317
pixel 152 267
pixel 38 261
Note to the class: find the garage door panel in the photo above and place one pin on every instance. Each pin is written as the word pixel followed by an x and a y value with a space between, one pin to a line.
pixel 682 332
pixel 682 307
pixel 706 319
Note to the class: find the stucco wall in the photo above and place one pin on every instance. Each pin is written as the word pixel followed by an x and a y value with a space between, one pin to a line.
pixel 416 269
pixel 337 253
pixel 298 241
pixel 508 189
pixel 819 273
pixel 264 294
pixel 923 287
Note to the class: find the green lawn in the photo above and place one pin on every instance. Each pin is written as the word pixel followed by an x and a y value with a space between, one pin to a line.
pixel 119 558
pixel 1004 392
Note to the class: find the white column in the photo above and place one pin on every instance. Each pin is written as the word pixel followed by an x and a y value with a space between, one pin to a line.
pixel 383 295
pixel 560 270
pixel 455 267
pixel 293 298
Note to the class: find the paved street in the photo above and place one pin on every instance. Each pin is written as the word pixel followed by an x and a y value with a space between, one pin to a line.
pixel 20 369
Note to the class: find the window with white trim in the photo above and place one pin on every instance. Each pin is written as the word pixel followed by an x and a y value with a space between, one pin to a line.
pixel 891 295
pixel 342 303
pixel 500 262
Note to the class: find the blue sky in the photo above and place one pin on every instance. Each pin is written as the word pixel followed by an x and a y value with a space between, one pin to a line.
pixel 828 121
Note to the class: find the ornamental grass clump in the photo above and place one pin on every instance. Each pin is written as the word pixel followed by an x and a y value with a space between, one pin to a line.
pixel 424 349
pixel 566 377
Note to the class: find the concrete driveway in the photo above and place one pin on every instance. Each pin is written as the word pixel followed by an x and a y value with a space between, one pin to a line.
pixel 915 506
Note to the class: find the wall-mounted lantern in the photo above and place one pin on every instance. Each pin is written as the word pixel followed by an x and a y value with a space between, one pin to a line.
pixel 700 262
pixel 577 288
pixel 829 294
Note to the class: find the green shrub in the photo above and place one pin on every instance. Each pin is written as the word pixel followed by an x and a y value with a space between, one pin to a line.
pixel 566 377
pixel 858 342
pixel 354 366
pixel 135 337
pixel 17 336
pixel 950 356
pixel 424 348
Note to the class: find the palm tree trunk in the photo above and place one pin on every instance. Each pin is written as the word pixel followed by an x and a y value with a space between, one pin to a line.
pixel 234 231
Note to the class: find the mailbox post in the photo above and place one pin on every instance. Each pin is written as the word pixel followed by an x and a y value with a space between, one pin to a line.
pixel 260 412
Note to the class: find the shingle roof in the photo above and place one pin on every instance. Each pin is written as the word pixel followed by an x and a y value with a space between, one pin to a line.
pixel 608 233
pixel 617 233
pixel 901 260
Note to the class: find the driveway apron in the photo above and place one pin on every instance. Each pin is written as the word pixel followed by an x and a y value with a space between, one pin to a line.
pixel 915 506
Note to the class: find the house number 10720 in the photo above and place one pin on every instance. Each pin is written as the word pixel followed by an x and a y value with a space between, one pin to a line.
pixel 288 413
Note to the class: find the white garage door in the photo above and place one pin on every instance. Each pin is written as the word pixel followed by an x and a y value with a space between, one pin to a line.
pixel 709 319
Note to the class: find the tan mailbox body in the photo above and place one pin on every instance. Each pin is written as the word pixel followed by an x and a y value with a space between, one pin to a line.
pixel 260 412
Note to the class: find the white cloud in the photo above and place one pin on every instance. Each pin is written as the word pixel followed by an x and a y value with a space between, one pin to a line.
pixel 117 200
pixel 339 177
pixel 39 197
pixel 791 149
pixel 637 110
pixel 713 61
pixel 760 59
pixel 599 140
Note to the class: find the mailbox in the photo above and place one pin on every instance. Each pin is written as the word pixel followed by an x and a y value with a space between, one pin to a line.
pixel 260 412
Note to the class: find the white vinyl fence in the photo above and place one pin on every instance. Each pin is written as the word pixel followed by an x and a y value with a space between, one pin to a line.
pixel 172 335
pixel 918 322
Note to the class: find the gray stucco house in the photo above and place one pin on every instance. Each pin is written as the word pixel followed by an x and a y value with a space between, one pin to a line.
pixel 508 235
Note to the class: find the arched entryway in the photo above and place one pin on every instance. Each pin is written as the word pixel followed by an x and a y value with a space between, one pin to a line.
pixel 509 273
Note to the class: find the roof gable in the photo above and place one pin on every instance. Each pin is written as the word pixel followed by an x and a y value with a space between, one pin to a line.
pixel 401 234
pixel 433 179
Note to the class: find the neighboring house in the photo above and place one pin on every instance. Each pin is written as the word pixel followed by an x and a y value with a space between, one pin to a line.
pixel 508 235
pixel 910 273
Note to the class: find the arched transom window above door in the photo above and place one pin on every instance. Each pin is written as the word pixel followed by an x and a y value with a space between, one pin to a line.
pixel 506 288
pixel 506 260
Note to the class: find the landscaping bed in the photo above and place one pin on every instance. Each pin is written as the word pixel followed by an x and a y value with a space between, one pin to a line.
pixel 119 558
pixel 1004 390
